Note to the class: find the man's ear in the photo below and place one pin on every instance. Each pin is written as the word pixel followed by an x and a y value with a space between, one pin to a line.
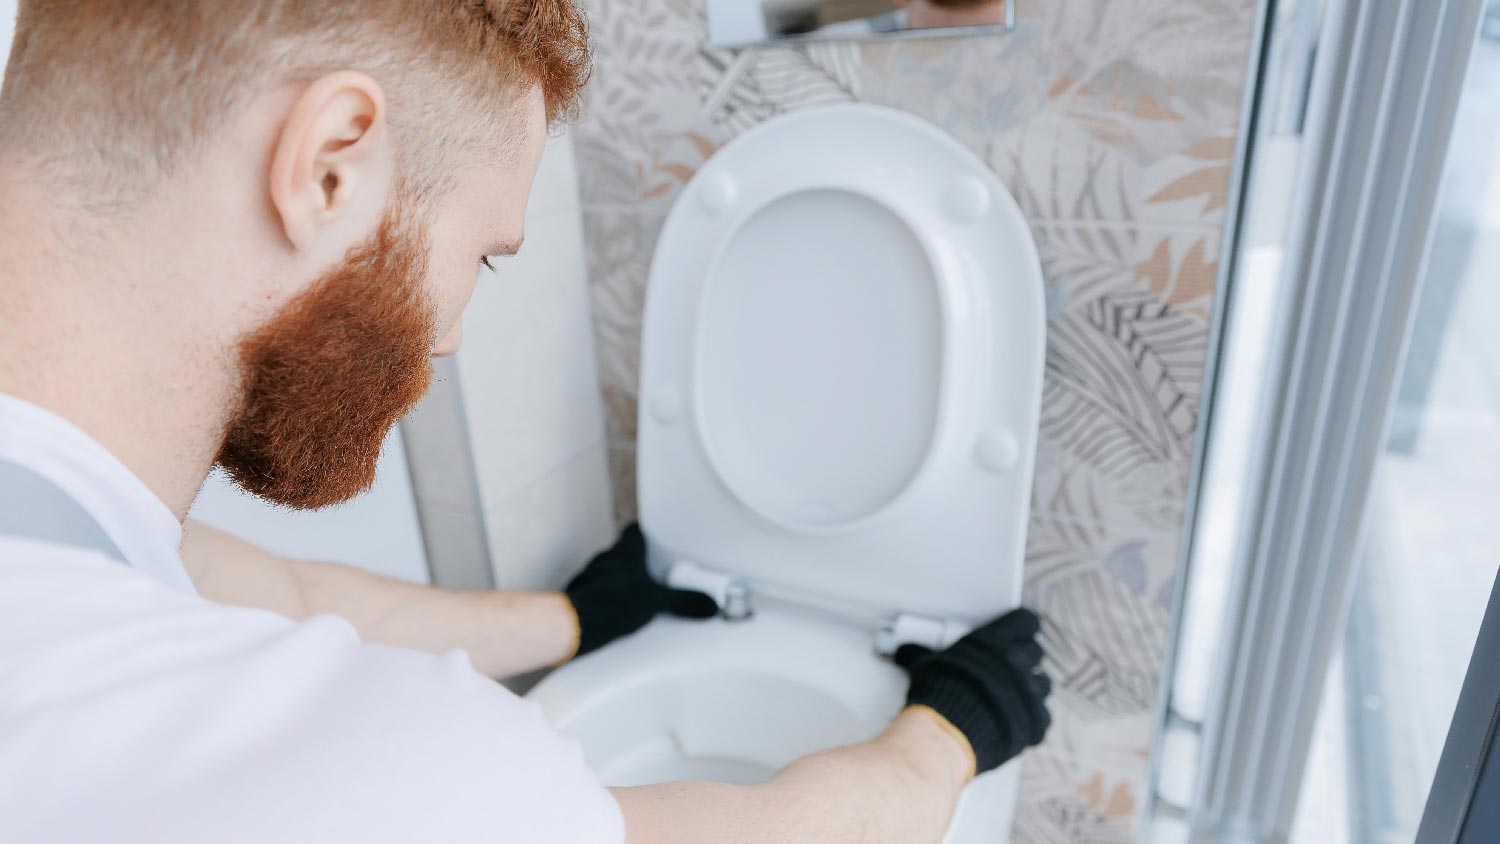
pixel 331 159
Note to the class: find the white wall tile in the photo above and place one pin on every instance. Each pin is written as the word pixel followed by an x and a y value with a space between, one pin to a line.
pixel 542 535
pixel 527 369
pixel 530 394
pixel 556 185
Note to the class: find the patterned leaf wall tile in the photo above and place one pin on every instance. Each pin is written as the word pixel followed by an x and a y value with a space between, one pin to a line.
pixel 753 85
pixel 1068 800
pixel 1093 109
pixel 1127 339
pixel 641 138
pixel 1135 554
pixel 647 127
pixel 1105 620
pixel 1103 592
pixel 1120 406
pixel 1056 174
pixel 644 129
pixel 1083 260
pixel 622 481
pixel 619 247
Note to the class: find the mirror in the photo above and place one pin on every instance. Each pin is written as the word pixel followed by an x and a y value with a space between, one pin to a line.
pixel 738 23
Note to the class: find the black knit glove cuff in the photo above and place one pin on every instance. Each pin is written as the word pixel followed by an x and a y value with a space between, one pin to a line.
pixel 988 685
pixel 984 732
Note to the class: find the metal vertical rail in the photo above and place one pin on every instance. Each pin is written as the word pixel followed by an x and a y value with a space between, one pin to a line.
pixel 1389 75
pixel 440 453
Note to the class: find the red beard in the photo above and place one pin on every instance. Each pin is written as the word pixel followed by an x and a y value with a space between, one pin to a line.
pixel 326 378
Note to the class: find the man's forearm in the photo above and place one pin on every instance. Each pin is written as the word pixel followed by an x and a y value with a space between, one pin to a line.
pixel 505 633
pixel 899 788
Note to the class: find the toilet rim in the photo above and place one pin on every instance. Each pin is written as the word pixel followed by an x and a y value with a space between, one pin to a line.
pixel 835 658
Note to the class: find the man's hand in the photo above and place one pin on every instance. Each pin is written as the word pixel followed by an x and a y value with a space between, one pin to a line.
pixel 988 685
pixel 614 595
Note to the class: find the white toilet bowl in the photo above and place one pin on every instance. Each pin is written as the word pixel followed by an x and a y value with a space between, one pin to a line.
pixel 731 701
pixel 840 386
pixel 736 701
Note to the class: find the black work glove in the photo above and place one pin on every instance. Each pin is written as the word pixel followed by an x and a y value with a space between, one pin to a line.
pixel 614 594
pixel 989 685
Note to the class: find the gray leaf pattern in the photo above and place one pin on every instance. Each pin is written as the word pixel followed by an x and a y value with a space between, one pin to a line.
pixel 1122 385
pixel 759 83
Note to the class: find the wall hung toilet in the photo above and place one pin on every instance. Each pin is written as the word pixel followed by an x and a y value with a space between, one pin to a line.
pixel 840 382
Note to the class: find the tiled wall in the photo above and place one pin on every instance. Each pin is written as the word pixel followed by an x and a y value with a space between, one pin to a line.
pixel 531 391
pixel 508 452
pixel 1113 122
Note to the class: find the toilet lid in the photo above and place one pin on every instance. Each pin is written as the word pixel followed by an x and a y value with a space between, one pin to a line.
pixel 841 368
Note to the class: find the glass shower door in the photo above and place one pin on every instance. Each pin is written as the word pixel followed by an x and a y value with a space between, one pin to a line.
pixel 1432 541
pixel 1345 520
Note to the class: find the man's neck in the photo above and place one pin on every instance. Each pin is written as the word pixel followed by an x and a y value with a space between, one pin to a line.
pixel 95 338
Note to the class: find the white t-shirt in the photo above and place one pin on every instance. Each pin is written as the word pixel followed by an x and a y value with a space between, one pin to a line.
pixel 131 709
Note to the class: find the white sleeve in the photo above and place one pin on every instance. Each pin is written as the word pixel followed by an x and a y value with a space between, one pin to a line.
pixel 177 720
pixel 380 744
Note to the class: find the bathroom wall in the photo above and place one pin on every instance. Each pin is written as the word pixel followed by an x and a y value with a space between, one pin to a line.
pixel 1114 123
pixel 508 452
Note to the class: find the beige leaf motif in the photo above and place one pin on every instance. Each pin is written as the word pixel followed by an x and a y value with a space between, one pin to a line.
pixel 1118 804
pixel 1196 276
pixel 1156 271
pixel 1148 107
pixel 1188 285
pixel 1104 128
pixel 1209 182
pixel 705 146
pixel 666 176
pixel 681 171
pixel 1214 149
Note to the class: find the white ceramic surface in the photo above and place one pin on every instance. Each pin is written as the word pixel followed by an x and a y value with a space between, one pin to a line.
pixel 841 368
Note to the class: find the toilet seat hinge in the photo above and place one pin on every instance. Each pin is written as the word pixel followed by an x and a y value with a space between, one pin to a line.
pixel 913 629
pixel 731 593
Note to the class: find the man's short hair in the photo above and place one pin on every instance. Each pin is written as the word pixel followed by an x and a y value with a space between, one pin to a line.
pixel 117 93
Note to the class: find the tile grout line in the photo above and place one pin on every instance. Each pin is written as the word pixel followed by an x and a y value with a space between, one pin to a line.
pixel 551 472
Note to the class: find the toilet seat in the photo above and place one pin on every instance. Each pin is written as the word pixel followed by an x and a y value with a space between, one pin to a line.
pixel 841 370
